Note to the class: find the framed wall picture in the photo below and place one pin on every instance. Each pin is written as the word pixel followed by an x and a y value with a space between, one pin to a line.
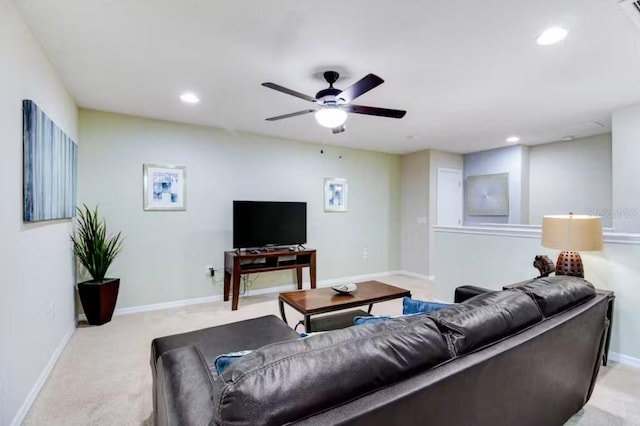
pixel 164 187
pixel 487 195
pixel 50 172
pixel 335 195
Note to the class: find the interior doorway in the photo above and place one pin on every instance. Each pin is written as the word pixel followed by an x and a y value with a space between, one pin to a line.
pixel 449 197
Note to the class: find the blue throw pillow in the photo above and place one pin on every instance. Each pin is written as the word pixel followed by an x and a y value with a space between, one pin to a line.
pixel 223 361
pixel 412 306
pixel 370 320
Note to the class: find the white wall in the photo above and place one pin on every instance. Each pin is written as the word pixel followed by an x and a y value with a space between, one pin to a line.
pixel 415 213
pixel 445 160
pixel 626 169
pixel 525 184
pixel 495 260
pixel 500 160
pixel 165 253
pixel 573 176
pixel 37 285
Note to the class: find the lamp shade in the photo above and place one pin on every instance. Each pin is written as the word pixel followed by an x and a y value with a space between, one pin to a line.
pixel 572 232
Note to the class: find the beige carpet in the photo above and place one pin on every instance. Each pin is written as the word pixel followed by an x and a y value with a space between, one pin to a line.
pixel 103 376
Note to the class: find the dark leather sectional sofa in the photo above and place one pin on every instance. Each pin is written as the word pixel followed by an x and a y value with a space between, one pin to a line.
pixel 528 356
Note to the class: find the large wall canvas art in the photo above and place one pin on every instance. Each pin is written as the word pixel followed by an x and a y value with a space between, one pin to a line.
pixel 50 167
pixel 487 195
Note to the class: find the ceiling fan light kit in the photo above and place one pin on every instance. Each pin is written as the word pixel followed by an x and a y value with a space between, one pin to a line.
pixel 331 116
pixel 332 105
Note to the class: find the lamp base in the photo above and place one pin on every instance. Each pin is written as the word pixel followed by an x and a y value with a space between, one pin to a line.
pixel 569 263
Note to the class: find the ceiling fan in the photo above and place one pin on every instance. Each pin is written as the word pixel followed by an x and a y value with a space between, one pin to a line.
pixel 332 105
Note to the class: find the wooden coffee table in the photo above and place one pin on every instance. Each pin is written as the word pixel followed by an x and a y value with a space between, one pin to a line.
pixel 323 300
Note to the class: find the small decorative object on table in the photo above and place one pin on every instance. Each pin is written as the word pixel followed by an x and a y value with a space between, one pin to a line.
pixel 543 264
pixel 345 288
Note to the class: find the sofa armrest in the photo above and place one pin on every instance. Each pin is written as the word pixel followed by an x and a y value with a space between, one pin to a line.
pixel 183 388
pixel 465 292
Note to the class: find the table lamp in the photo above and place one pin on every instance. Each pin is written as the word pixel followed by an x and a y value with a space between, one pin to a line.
pixel 571 233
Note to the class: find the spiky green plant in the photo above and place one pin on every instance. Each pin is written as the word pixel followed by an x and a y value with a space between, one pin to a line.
pixel 93 248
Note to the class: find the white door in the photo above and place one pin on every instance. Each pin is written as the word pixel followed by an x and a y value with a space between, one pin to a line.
pixel 449 197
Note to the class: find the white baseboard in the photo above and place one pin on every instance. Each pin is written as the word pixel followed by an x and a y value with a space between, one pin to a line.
pixel 257 292
pixel 625 359
pixel 35 390
pixel 419 276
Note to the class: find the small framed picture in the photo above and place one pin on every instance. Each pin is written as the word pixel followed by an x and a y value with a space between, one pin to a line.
pixel 335 195
pixel 164 187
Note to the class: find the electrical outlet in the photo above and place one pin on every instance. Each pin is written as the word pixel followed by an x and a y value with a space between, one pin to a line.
pixel 52 310
pixel 210 270
pixel 365 253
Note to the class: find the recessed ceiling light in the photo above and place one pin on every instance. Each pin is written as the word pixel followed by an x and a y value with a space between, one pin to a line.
pixel 552 35
pixel 513 139
pixel 189 98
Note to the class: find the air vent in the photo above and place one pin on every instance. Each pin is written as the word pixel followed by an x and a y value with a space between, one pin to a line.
pixel 632 9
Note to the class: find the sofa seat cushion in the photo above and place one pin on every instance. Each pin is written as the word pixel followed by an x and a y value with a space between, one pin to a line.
pixel 485 318
pixel 558 293
pixel 286 381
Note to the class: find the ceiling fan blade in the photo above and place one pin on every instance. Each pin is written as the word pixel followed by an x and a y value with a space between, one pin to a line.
pixel 337 130
pixel 293 114
pixel 367 110
pixel 289 91
pixel 360 87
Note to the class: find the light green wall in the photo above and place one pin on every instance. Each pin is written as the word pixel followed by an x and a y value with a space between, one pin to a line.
pixel 166 253
pixel 415 212
pixel 37 308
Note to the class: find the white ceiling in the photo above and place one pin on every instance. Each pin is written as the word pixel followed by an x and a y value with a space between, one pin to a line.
pixel 468 72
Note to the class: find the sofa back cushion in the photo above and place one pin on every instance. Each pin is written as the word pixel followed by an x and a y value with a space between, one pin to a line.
pixel 485 318
pixel 558 293
pixel 286 381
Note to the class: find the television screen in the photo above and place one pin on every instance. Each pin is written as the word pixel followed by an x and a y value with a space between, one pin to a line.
pixel 269 223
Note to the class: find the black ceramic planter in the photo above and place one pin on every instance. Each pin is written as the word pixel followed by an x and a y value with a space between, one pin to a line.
pixel 99 299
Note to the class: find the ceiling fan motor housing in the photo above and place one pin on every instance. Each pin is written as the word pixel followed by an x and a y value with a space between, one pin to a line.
pixel 328 94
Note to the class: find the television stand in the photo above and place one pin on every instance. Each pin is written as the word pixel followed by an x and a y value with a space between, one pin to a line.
pixel 238 263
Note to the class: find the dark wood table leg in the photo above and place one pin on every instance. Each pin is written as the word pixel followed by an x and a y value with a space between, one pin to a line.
pixel 299 276
pixel 307 323
pixel 312 270
pixel 227 285
pixel 235 292
pixel 605 355
pixel 281 305
pixel 370 307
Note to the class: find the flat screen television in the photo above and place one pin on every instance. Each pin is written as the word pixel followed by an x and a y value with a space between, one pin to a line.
pixel 269 223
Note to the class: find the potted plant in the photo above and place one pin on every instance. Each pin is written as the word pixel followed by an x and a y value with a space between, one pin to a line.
pixel 96 250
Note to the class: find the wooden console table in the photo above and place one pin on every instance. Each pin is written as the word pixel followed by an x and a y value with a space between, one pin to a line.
pixel 237 264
